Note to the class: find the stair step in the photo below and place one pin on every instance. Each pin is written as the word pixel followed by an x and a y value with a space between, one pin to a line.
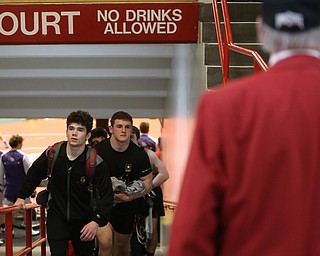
pixel 244 32
pixel 236 59
pixel 214 76
pixel 243 16
pixel 238 11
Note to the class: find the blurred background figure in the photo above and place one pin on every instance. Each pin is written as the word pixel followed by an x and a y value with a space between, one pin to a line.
pixel 97 134
pixel 146 141
pixel 4 142
pixel 251 184
pixel 160 175
pixel 1 205
pixel 159 148
pixel 14 166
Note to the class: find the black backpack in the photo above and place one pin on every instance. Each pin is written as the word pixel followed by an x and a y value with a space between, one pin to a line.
pixel 91 163
pixel 91 159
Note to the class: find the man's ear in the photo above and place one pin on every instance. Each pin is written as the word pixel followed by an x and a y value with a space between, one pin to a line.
pixel 88 135
pixel 110 129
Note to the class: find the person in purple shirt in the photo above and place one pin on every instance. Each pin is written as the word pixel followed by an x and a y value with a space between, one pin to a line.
pixel 1 216
pixel 146 141
pixel 14 165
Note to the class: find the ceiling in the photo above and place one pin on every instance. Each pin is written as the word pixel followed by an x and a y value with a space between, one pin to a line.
pixel 38 81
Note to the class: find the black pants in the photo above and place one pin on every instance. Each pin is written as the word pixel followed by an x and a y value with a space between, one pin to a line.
pixel 60 232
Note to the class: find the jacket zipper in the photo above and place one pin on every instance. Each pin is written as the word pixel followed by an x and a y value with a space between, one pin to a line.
pixel 68 193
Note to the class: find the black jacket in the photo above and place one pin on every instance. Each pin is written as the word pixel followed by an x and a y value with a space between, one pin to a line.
pixel 70 196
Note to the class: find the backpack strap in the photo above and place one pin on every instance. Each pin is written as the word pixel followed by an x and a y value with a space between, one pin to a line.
pixel 52 154
pixel 91 162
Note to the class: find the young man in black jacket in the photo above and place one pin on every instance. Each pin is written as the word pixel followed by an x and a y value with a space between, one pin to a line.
pixel 70 215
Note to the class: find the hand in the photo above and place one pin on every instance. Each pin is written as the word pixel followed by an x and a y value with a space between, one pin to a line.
pixel 89 231
pixel 121 197
pixel 20 203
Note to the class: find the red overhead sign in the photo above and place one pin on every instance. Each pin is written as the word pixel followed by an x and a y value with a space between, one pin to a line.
pixel 99 23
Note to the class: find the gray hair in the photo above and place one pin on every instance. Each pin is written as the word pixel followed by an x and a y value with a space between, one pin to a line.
pixel 274 40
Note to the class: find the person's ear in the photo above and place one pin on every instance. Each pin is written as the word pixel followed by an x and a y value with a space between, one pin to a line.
pixel 110 129
pixel 88 135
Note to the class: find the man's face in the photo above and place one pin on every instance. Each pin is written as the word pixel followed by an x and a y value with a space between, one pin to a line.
pixel 98 139
pixel 121 130
pixel 77 134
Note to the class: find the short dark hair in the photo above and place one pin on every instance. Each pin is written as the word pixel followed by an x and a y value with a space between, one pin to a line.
pixel 122 116
pixel 15 140
pixel 98 132
pixel 136 132
pixel 80 117
pixel 144 127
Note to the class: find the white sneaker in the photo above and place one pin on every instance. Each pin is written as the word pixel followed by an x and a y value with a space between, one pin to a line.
pixel 34 224
pixel 3 230
pixel 35 232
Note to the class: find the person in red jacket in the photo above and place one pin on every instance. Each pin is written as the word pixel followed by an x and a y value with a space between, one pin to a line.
pixel 252 181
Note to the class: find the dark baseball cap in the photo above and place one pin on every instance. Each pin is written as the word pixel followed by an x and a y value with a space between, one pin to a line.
pixel 291 15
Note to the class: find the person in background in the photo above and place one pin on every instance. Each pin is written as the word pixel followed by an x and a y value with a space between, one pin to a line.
pixel 97 134
pixel 251 184
pixel 2 241
pixel 159 148
pixel 70 215
pixel 14 166
pixel 160 175
pixel 126 162
pixel 146 141
pixel 6 144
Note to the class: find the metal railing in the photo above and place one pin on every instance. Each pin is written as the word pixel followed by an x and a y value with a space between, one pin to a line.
pixel 8 212
pixel 168 205
pixel 226 44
